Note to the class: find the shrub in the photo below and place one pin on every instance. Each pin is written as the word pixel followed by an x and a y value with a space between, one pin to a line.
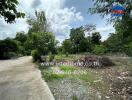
pixel 67 54
pixel 35 54
pixel 99 49
pixel 129 49
pixel 6 46
pixel 51 57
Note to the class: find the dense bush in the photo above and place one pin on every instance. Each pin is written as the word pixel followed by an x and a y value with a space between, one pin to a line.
pixel 51 57
pixel 67 54
pixel 35 54
pixel 99 49
pixel 129 49
pixel 6 46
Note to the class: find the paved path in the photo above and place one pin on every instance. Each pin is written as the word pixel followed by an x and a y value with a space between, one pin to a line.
pixel 20 80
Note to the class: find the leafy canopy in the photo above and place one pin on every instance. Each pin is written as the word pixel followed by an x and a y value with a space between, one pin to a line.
pixel 8 10
pixel 103 7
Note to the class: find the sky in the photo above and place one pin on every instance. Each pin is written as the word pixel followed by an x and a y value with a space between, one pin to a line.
pixel 62 16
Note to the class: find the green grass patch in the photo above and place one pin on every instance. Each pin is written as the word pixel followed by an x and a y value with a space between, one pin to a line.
pixel 63 57
pixel 89 77
pixel 48 75
pixel 68 68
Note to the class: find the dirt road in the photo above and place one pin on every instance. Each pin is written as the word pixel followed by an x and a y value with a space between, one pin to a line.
pixel 20 80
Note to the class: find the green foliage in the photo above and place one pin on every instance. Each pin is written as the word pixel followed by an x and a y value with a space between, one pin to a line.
pixel 48 75
pixel 103 7
pixel 51 56
pixel 21 37
pixel 85 45
pixel 67 54
pixel 74 97
pixel 39 37
pixel 8 10
pixel 39 24
pixel 120 40
pixel 35 54
pixel 7 46
pixel 114 43
pixel 129 49
pixel 67 46
pixel 78 43
pixel 44 42
pixel 99 49
pixel 96 38
pixel 77 38
pixel 68 68
pixel 59 50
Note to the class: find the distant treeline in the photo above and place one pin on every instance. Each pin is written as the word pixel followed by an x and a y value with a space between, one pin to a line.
pixel 41 41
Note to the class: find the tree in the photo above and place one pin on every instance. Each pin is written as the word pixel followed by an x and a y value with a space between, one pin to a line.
pixel 114 43
pixel 99 49
pixel 96 38
pixel 119 41
pixel 8 10
pixel 124 29
pixel 39 36
pixel 77 36
pixel 103 7
pixel 44 42
pixel 21 37
pixel 129 49
pixel 38 24
pixel 67 46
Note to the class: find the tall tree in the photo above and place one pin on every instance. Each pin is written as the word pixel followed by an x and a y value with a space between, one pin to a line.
pixel 38 24
pixel 121 40
pixel 114 43
pixel 77 36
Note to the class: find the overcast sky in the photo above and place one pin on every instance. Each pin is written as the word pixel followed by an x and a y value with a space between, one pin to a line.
pixel 62 15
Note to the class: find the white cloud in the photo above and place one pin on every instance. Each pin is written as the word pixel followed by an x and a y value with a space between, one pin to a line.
pixel 60 18
pixel 105 30
pixel 10 30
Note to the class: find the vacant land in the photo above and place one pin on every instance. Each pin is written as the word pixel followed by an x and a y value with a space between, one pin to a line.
pixel 21 80
pixel 75 83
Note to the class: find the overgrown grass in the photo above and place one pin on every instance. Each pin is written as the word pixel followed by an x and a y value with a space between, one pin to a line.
pixel 48 75
pixel 98 79
pixel 68 68
pixel 93 79
pixel 64 57
pixel 89 77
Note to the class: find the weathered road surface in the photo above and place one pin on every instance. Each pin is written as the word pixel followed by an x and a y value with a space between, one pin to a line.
pixel 20 80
